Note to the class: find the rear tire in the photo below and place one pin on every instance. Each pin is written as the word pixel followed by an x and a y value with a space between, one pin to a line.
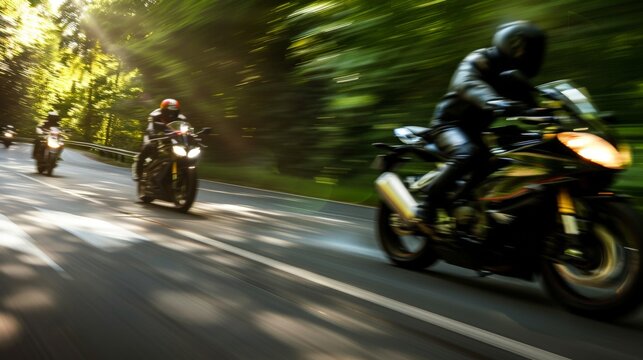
pixel 613 286
pixel 398 247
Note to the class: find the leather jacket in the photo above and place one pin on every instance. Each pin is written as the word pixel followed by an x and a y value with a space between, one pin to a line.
pixel 475 82
pixel 156 124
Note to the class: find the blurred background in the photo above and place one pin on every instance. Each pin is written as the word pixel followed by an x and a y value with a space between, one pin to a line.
pixel 295 91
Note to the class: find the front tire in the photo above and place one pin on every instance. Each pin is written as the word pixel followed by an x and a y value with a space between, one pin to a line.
pixel 140 189
pixel 51 165
pixel 612 286
pixel 405 248
pixel 185 187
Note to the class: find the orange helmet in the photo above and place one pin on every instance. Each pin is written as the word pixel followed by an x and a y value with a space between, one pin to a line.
pixel 170 104
pixel 170 108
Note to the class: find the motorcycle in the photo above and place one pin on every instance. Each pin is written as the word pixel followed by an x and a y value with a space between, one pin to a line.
pixel 543 210
pixel 8 134
pixel 172 175
pixel 50 147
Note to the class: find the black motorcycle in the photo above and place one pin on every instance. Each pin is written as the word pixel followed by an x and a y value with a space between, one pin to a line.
pixel 50 145
pixel 172 175
pixel 545 209
pixel 8 134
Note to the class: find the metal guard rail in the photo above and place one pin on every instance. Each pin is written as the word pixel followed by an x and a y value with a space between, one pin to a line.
pixel 106 151
pixel 102 150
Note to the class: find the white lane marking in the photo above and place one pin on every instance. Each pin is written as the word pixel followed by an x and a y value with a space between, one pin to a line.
pixel 15 238
pixel 62 189
pixel 484 336
pixel 98 233
pixel 290 208
pixel 252 211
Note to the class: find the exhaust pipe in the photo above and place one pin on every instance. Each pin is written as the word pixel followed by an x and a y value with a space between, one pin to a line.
pixel 396 195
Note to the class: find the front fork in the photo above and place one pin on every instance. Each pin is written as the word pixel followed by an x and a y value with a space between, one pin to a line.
pixel 569 220
pixel 175 171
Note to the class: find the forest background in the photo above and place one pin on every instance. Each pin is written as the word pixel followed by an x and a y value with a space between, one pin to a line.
pixel 295 91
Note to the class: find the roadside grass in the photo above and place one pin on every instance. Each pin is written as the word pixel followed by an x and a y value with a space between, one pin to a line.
pixel 357 190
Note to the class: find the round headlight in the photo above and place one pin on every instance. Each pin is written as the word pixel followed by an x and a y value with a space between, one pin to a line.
pixel 53 143
pixel 179 150
pixel 194 152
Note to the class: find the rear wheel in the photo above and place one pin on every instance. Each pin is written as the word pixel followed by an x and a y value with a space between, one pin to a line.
pixel 404 246
pixel 185 187
pixel 608 283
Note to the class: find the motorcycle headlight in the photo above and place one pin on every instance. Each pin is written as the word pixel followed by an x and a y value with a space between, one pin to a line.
pixel 194 152
pixel 179 150
pixel 593 148
pixel 53 143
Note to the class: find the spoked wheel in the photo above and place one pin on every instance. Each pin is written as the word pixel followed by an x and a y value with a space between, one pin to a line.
pixel 185 187
pixel 608 282
pixel 404 246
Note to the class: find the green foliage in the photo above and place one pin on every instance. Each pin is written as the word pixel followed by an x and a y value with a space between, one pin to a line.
pixel 302 87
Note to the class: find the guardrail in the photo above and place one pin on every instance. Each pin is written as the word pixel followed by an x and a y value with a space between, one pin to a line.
pixel 106 151
pixel 102 150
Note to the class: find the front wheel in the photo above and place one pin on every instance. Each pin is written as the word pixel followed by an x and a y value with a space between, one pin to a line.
pixel 405 247
pixel 609 282
pixel 141 189
pixel 184 187
pixel 51 165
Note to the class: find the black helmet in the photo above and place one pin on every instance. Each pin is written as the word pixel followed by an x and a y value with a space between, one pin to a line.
pixel 522 44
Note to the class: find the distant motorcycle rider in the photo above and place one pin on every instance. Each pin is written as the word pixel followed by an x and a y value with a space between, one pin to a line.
pixel 52 120
pixel 476 94
pixel 168 111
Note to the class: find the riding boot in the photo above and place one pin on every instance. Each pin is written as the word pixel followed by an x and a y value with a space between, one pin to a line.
pixel 436 191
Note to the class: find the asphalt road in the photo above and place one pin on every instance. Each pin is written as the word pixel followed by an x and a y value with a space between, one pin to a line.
pixel 87 272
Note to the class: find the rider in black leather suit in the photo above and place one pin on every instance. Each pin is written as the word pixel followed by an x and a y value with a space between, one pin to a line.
pixel 168 111
pixel 476 94
pixel 52 120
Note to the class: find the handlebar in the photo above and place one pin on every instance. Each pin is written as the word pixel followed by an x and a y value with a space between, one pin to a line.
pixel 535 120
